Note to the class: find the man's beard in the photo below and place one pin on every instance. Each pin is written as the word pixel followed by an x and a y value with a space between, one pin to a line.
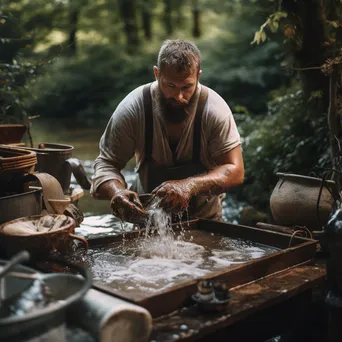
pixel 171 110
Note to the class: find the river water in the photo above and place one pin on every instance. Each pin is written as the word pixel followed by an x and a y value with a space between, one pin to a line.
pixel 98 218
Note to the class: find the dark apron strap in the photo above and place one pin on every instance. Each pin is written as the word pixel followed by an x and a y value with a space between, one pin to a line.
pixel 197 124
pixel 196 149
pixel 148 122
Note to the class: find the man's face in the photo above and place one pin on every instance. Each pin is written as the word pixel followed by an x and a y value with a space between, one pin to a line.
pixel 176 91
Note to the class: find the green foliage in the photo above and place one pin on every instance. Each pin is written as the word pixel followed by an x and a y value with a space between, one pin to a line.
pixel 15 72
pixel 272 23
pixel 13 90
pixel 242 74
pixel 89 88
pixel 285 140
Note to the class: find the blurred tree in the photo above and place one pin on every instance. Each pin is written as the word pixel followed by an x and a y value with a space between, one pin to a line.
pixel 127 10
pixel 14 71
pixel 146 8
pixel 168 16
pixel 180 17
pixel 242 73
pixel 196 30
pixel 74 9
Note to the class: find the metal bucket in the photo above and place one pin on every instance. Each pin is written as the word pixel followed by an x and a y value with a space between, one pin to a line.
pixel 20 205
pixel 47 323
pixel 51 159
pixel 56 160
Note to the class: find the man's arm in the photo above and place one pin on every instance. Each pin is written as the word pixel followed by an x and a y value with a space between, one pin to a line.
pixel 108 189
pixel 230 173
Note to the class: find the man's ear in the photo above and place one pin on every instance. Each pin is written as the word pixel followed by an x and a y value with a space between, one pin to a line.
pixel 155 71
pixel 200 73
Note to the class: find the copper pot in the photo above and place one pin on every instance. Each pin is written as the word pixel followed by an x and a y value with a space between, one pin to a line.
pixel 41 244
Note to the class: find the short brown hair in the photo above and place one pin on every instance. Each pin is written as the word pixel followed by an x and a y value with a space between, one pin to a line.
pixel 180 55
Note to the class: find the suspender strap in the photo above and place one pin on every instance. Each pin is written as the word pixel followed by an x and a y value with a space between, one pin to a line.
pixel 196 149
pixel 148 122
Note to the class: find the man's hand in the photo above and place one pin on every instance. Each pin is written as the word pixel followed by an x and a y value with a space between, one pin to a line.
pixel 127 206
pixel 175 194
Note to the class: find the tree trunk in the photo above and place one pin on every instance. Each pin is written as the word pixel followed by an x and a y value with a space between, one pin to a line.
pixel 178 4
pixel 147 20
pixel 128 14
pixel 309 49
pixel 72 41
pixel 335 107
pixel 196 32
pixel 334 125
pixel 168 16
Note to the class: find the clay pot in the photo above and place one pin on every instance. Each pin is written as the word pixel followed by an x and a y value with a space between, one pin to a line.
pixel 11 133
pixel 294 201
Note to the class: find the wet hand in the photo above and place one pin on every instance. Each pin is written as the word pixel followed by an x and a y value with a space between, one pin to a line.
pixel 127 206
pixel 175 195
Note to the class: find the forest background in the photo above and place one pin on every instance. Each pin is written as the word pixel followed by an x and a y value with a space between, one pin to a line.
pixel 276 63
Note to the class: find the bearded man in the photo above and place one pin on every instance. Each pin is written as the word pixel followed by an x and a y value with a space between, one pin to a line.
pixel 184 138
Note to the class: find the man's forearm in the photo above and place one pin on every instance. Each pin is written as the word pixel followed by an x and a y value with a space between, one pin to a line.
pixel 108 189
pixel 216 181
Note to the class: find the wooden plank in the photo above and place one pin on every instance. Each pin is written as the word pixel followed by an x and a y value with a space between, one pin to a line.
pixel 246 300
pixel 275 228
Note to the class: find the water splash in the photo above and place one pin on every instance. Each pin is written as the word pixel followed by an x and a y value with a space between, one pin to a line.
pixel 159 237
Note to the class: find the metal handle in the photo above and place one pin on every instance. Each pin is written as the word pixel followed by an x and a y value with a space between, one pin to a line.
pixel 80 238
pixel 17 259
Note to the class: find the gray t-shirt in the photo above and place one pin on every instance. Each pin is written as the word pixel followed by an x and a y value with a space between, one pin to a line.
pixel 124 136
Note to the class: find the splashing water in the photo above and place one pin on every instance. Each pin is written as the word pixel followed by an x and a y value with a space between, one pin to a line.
pixel 159 237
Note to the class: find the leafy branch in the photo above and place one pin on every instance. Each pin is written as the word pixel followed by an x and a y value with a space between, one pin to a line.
pixel 272 23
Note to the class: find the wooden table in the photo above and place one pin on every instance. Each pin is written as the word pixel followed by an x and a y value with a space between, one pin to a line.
pixel 278 303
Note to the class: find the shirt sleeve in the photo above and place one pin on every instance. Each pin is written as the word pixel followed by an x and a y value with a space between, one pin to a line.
pixel 117 144
pixel 223 135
